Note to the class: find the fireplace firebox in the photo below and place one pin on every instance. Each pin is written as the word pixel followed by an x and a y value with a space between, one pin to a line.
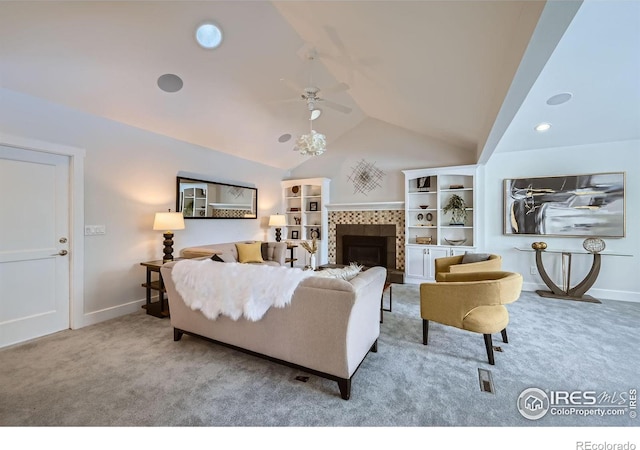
pixel 365 250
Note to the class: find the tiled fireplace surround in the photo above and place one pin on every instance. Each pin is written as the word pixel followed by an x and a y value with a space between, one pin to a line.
pixel 382 220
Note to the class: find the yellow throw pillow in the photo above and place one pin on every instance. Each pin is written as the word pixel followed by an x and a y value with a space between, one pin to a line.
pixel 250 253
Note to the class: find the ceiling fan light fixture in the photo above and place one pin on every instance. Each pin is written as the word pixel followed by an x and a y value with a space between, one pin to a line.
pixel 209 36
pixel 312 144
pixel 315 114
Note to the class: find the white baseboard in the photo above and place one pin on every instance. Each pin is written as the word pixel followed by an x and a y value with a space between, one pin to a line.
pixel 111 313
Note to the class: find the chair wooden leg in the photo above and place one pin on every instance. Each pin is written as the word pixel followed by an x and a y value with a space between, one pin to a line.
pixel 489 344
pixel 425 331
pixel 505 339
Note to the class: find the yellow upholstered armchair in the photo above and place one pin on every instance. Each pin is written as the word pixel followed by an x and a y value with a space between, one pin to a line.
pixel 471 301
pixel 470 262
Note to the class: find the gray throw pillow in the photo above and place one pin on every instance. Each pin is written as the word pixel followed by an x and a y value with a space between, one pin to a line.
pixel 474 257
pixel 217 258
pixel 264 249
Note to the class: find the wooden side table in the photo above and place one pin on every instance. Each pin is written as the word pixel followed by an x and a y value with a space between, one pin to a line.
pixel 159 308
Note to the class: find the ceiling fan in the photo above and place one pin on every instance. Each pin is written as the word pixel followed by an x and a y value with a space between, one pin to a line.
pixel 311 94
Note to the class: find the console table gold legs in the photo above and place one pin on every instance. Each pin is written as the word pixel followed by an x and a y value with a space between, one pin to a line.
pixel 567 292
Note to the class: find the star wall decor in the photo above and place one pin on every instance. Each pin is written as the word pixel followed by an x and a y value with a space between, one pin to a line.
pixel 365 177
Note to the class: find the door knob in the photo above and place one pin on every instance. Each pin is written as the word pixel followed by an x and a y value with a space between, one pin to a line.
pixel 63 240
pixel 62 252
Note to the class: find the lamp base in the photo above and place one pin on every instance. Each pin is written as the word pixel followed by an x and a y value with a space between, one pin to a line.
pixel 168 247
pixel 278 234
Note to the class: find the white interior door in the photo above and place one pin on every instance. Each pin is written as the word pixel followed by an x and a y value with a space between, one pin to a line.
pixel 34 244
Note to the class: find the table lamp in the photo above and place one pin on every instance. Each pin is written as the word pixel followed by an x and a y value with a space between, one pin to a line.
pixel 278 221
pixel 168 221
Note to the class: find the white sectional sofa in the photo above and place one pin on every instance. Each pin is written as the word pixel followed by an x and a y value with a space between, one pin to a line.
pixel 273 253
pixel 327 329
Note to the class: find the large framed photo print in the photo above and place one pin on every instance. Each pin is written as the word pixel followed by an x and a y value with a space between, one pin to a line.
pixel 569 205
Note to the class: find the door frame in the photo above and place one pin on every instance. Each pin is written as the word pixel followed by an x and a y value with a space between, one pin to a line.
pixel 76 216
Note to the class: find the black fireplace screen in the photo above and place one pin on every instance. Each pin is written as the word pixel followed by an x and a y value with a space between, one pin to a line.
pixel 365 250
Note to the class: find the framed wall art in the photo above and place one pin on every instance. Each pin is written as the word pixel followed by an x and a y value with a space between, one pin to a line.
pixel 569 205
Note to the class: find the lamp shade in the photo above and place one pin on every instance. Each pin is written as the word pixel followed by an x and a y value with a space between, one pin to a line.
pixel 277 220
pixel 168 221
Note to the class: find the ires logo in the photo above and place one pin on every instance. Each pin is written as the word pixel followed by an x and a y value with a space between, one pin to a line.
pixel 534 403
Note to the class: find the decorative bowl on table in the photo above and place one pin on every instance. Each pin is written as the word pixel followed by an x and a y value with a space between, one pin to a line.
pixel 424 206
pixel 455 241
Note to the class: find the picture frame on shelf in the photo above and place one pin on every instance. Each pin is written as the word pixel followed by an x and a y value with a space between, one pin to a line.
pixel 313 206
pixel 295 234
pixel 423 184
pixel 314 233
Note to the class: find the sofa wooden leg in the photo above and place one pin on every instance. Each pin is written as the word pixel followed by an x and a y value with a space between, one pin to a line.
pixel 505 339
pixel 374 347
pixel 177 334
pixel 489 344
pixel 425 331
pixel 345 388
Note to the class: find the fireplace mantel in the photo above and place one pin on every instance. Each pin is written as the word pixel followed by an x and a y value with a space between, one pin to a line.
pixel 368 206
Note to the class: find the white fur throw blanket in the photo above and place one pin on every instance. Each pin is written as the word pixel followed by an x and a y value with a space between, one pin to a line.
pixel 234 289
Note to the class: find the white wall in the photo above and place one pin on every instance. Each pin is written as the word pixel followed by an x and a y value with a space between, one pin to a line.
pixel 620 276
pixel 391 148
pixel 129 175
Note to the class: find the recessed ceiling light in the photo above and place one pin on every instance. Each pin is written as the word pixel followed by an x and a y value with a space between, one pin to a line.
pixel 559 99
pixel 209 36
pixel 170 82
pixel 542 127
pixel 284 138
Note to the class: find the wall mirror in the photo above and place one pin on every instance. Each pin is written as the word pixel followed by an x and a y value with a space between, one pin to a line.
pixel 200 199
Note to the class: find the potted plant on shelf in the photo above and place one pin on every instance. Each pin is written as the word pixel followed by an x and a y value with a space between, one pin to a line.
pixel 458 208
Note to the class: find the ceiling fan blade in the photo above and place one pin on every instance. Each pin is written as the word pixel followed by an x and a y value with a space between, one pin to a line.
pixel 336 106
pixel 333 36
pixel 337 88
pixel 288 100
pixel 291 85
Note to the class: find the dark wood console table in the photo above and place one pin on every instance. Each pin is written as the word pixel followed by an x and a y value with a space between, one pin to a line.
pixel 577 292
pixel 291 259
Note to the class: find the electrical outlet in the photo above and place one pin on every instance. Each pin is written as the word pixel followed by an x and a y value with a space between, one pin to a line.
pixel 533 270
pixel 92 230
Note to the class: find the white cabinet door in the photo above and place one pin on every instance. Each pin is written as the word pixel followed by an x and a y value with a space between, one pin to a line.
pixel 432 254
pixel 416 260
pixel 420 262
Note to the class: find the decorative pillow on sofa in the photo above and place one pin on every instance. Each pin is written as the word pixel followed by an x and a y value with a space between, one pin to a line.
pixel 250 253
pixel 470 257
pixel 344 273
pixel 264 249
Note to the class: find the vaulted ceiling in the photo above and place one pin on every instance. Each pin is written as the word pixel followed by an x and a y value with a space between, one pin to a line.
pixel 443 69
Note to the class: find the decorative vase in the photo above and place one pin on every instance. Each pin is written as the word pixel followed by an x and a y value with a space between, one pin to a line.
pixel 312 261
